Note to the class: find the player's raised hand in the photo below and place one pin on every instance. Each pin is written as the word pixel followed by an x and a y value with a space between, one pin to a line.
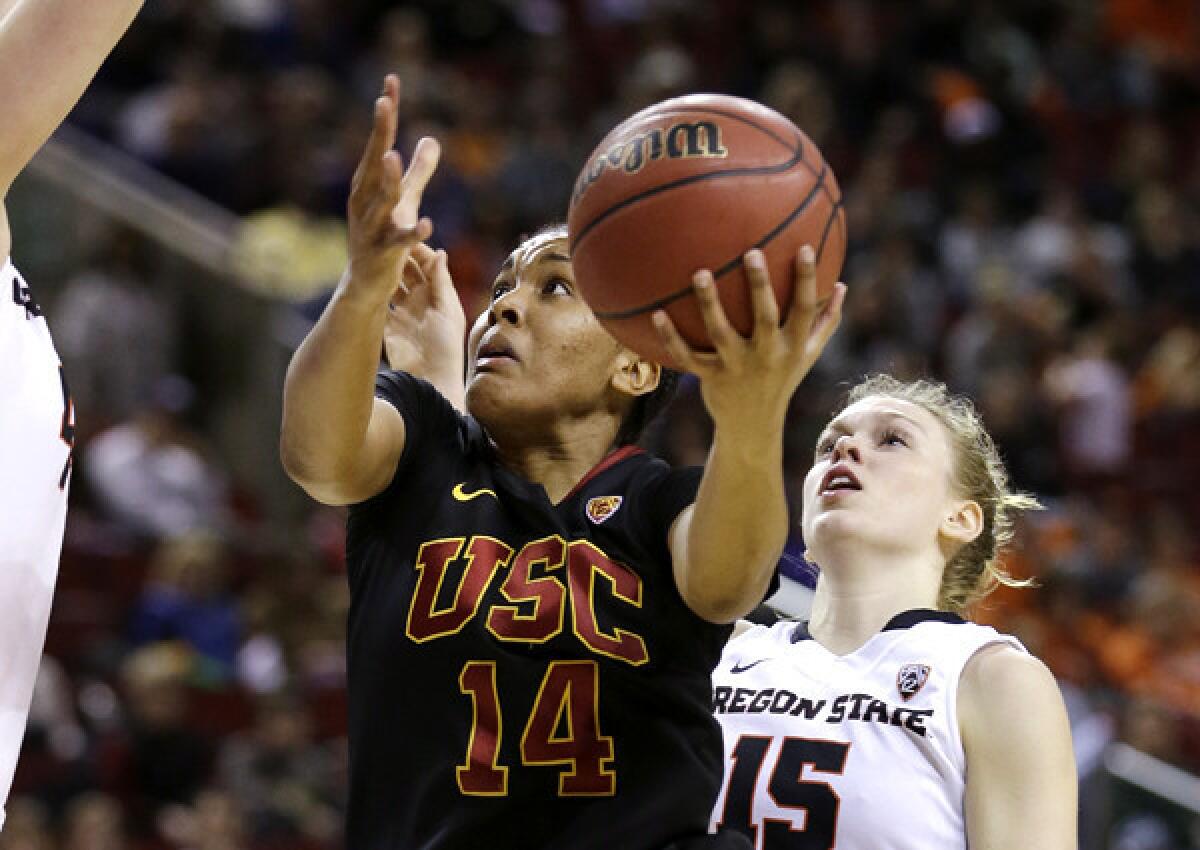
pixel 426 325
pixel 747 382
pixel 383 210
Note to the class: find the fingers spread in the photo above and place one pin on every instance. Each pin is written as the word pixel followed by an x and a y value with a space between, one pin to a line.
pixel 424 163
pixel 721 333
pixel 409 236
pixel 443 284
pixel 804 295
pixel 390 180
pixel 414 274
pixel 762 296
pixel 425 259
pixel 679 350
pixel 391 88
pixel 381 140
pixel 830 317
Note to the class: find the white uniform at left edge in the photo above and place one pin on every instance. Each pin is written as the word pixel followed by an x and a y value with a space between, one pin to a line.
pixel 36 433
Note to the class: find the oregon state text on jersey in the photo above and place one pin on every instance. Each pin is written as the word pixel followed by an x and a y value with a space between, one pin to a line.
pixel 36 434
pixel 522 674
pixel 853 752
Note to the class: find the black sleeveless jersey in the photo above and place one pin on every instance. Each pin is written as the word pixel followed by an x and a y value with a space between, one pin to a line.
pixel 522 674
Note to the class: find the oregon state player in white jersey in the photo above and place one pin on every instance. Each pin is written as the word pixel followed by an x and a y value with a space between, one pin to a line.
pixel 49 52
pixel 888 722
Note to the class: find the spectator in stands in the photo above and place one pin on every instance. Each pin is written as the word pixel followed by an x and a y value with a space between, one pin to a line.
pixel 1092 394
pixel 158 759
pixel 213 821
pixel 93 821
pixel 153 475
pixel 187 599
pixel 284 781
pixel 26 826
pixel 117 297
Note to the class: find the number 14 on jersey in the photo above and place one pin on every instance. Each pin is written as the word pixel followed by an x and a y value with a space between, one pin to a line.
pixel 566 701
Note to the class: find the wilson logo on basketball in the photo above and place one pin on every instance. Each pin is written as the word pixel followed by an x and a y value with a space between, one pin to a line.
pixel 683 140
pixel 602 507
pixel 911 678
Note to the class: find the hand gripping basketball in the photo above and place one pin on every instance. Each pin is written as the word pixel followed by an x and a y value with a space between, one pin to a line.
pixel 382 213
pixel 747 382
pixel 696 182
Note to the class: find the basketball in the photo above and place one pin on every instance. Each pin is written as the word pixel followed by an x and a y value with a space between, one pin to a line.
pixel 694 183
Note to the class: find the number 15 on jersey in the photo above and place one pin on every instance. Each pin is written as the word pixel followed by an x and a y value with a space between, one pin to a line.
pixel 794 782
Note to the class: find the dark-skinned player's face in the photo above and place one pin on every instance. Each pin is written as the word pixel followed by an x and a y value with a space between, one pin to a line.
pixel 537 354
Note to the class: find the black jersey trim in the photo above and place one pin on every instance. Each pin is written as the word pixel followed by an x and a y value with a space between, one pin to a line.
pixel 22 295
pixel 903 620
pixel 801 633
pixel 908 619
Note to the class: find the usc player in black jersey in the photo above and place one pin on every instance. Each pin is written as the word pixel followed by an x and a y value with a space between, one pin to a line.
pixel 537 605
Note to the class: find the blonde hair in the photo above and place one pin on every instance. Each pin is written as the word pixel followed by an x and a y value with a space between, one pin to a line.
pixel 973 571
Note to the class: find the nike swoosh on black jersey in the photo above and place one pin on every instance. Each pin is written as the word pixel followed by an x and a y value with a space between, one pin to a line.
pixel 736 669
pixel 461 495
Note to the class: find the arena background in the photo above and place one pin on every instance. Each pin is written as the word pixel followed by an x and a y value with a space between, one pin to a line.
pixel 1023 198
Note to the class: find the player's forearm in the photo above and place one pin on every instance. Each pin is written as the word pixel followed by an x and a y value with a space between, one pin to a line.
pixel 329 390
pixel 49 51
pixel 738 528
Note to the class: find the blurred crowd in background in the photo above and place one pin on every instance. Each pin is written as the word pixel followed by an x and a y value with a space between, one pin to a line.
pixel 1022 183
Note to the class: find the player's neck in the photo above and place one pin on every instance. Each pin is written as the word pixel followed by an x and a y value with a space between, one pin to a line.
pixel 851 605
pixel 557 460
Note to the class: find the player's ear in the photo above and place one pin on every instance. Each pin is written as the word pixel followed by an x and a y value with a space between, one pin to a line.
pixel 963 522
pixel 634 375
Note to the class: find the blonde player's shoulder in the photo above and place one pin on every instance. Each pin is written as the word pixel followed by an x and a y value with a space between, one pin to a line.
pixel 1007 694
pixel 999 673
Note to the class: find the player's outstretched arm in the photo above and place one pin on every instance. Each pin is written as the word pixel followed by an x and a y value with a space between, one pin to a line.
pixel 725 547
pixel 337 440
pixel 1021 780
pixel 49 52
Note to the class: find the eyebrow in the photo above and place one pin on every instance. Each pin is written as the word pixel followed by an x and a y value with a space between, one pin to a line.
pixel 554 257
pixel 841 427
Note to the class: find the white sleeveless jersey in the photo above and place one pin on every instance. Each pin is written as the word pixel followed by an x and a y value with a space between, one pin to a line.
pixel 36 432
pixel 853 752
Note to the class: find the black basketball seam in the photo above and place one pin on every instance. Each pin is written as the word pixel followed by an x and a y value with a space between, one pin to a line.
pixel 797 156
pixel 730 265
pixel 833 215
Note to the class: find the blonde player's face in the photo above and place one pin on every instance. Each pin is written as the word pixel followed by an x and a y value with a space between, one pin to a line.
pixel 538 353
pixel 882 477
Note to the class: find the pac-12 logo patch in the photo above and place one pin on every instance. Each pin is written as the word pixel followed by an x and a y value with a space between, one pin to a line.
pixel 602 507
pixel 911 678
